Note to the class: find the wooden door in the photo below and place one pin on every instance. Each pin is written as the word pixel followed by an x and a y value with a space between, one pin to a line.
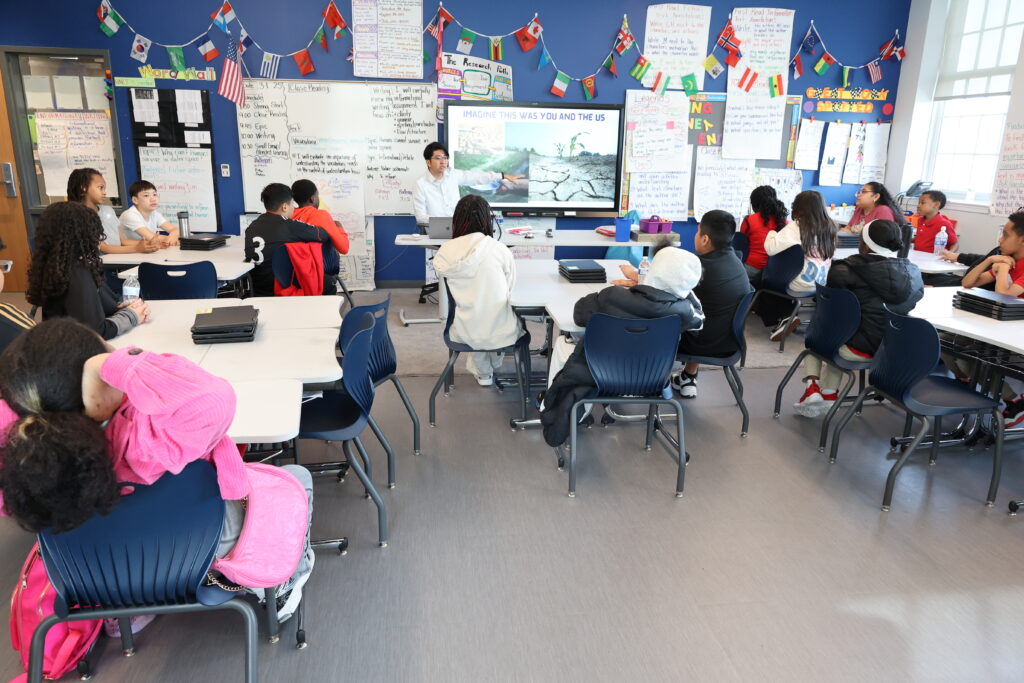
pixel 12 215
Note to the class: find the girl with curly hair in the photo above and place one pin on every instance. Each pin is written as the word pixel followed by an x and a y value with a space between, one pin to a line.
pixel 87 186
pixel 768 214
pixel 66 277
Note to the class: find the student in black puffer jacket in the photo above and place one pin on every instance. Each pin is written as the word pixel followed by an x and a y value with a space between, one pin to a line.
pixel 879 279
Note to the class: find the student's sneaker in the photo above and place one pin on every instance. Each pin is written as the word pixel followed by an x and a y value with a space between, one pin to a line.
pixel 828 399
pixel 1013 415
pixel 784 329
pixel 685 384
pixel 484 380
pixel 812 402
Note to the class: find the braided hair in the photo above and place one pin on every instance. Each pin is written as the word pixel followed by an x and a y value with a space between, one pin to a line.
pixel 765 201
pixel 472 214
pixel 78 183
pixel 69 234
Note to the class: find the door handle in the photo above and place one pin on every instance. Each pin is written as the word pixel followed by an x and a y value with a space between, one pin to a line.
pixel 7 179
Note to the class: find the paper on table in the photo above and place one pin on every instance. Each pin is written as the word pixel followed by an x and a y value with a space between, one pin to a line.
pixel 144 106
pixel 676 41
pixel 95 93
pixel 832 160
pixel 69 92
pixel 808 146
pixel 876 150
pixel 37 92
pixel 189 104
pixel 721 183
pixel 653 193
pixel 855 154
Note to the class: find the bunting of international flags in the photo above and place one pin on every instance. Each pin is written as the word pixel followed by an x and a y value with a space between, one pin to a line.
pixel 890 49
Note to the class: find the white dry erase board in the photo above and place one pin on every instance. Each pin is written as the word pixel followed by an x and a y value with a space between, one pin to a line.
pixel 361 143
pixel 184 181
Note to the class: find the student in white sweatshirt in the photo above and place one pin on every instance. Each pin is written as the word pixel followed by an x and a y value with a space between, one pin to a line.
pixel 480 273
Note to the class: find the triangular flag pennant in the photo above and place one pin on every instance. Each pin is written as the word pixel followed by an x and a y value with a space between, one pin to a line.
pixel 304 62
pixel 110 20
pixel 589 88
pixel 321 38
pixel 640 68
pixel 207 49
pixel 334 19
pixel 875 71
pixel 732 58
pixel 529 35
pixel 846 76
pixel 798 67
pixel 609 63
pixel 748 79
pixel 775 87
pixel 824 64
pixel 661 83
pixel 713 66
pixel 177 58
pixel 497 49
pixel 624 40
pixel 560 84
pixel 545 58
pixel 466 39
pixel 690 84
pixel 140 48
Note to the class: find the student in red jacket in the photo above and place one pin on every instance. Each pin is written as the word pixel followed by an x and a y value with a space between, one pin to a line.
pixel 768 214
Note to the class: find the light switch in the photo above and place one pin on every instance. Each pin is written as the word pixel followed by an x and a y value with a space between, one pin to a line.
pixel 225 171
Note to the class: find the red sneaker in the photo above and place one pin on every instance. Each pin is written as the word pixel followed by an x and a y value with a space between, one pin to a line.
pixel 810 404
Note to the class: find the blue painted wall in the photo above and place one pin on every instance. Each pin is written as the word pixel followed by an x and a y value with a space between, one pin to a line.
pixel 579 34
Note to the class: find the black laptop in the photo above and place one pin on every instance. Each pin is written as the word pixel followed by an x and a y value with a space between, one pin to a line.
pixel 226 324
pixel 582 270
pixel 990 304
pixel 203 241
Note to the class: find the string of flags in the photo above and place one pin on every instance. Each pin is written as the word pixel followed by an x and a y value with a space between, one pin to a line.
pixel 891 49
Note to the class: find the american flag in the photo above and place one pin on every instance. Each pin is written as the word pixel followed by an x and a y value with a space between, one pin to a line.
pixel 874 71
pixel 231 84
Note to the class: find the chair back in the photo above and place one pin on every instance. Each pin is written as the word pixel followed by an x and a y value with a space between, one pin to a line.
pixel 741 244
pixel 836 319
pixel 180 281
pixel 629 356
pixel 909 352
pixel 739 322
pixel 153 548
pixel 383 360
pixel 907 236
pixel 451 319
pixel 782 268
pixel 355 365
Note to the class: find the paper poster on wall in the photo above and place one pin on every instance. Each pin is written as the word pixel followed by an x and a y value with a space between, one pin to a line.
pixel 833 159
pixel 68 90
pixel 707 116
pixel 357 266
pixel 95 93
pixel 855 154
pixel 70 140
pixel 184 181
pixel 788 183
pixel 676 42
pixel 465 77
pixel 808 146
pixel 387 38
pixel 189 105
pixel 37 92
pixel 656 131
pixel 721 183
pixel 653 193
pixel 752 117
pixel 145 105
pixel 876 151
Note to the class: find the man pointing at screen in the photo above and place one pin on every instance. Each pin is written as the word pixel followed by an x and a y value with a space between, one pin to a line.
pixel 437 192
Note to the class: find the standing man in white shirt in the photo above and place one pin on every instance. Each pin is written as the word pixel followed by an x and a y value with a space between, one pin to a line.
pixel 437 192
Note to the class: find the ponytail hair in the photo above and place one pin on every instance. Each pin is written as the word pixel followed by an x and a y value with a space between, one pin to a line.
pixel 765 201
pixel 818 232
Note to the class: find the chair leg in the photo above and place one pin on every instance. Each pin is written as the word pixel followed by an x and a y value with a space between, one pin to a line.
pixel 785 381
pixel 650 426
pixel 823 437
pixel 124 624
pixel 574 418
pixel 997 457
pixel 273 627
pixel 300 633
pixel 733 378
pixel 412 413
pixel 890 482
pixel 681 473
pixel 845 420
pixel 387 449
pixel 936 438
pixel 753 303
pixel 382 516
pixel 523 378
pixel 347 294
pixel 443 379
pixel 907 424
pixel 249 619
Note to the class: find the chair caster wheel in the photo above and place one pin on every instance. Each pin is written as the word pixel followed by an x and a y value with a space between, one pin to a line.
pixel 931 463
pixel 130 652
pixel 885 508
pixel 416 452
pixel 83 670
pixel 343 546
pixel 679 494
pixel 572 494
pixel 273 640
pixel 647 448
pixel 989 503
pixel 821 449
pixel 300 640
pixel 433 424
pixel 775 415
pixel 382 544
pixel 447 394
pixel 831 461
pixel 366 496
pixel 391 485
pixel 743 435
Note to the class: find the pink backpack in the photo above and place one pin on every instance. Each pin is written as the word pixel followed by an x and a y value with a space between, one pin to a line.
pixel 31 602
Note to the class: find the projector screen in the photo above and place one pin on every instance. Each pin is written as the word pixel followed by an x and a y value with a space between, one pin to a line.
pixel 569 155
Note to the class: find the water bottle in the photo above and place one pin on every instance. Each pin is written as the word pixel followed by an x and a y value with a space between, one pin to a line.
pixel 183 230
pixel 940 241
pixel 644 266
pixel 131 289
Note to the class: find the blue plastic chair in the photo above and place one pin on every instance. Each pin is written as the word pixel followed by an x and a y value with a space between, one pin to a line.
pixel 149 555
pixel 180 281
pixel 342 416
pixel 902 374
pixel 520 350
pixel 284 271
pixel 728 363
pixel 741 245
pixel 836 319
pixel 775 278
pixel 631 362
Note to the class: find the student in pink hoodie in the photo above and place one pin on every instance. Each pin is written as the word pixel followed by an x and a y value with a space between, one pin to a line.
pixel 77 418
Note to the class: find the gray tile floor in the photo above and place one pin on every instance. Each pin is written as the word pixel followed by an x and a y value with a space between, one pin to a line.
pixel 775 565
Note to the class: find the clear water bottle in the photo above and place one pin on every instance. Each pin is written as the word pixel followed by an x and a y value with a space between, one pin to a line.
pixel 642 269
pixel 131 289
pixel 940 241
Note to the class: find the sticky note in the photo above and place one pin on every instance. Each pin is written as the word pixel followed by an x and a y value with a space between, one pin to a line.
pixel 631 125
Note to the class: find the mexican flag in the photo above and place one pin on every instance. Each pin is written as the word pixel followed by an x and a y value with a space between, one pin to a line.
pixel 110 20
pixel 560 84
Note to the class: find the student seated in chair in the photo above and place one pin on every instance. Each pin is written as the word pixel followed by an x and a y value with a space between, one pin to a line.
pixel 881 280
pixel 667 290
pixel 271 231
pixel 307 200
pixel 480 272
pixel 768 214
pixel 142 222
pixel 87 186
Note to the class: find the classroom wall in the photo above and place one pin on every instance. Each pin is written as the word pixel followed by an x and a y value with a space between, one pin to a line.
pixel 579 34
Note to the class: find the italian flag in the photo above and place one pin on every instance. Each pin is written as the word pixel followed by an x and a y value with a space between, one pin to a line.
pixel 660 83
pixel 560 84
pixel 110 20
pixel 824 63
pixel 640 68
pixel 775 86
pixel 497 51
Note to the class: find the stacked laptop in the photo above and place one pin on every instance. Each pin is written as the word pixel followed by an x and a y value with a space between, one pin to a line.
pixel 203 241
pixel 990 304
pixel 581 271
pixel 845 240
pixel 225 325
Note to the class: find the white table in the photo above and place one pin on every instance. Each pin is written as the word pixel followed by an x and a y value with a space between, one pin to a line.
pixel 303 354
pixel 229 260
pixel 275 312
pixel 561 238
pixel 538 285
pixel 937 308
pixel 267 411
pixel 925 260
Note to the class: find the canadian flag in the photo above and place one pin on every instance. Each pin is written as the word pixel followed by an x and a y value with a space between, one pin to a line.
pixel 529 35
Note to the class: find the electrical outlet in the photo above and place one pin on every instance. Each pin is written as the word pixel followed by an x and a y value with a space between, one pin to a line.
pixel 225 171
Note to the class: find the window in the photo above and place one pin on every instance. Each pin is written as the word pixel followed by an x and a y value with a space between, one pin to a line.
pixel 982 42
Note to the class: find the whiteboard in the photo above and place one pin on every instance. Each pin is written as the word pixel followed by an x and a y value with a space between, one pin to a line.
pixel 184 182
pixel 363 141
pixel 74 139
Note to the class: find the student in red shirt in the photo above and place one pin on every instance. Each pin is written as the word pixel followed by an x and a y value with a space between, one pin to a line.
pixel 768 214
pixel 932 222
pixel 307 197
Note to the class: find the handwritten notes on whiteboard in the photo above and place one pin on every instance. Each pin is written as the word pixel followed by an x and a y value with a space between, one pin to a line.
pixel 752 118
pixel 676 42
pixel 184 180
pixel 876 151
pixel 662 194
pixel 1008 191
pixel 833 159
pixel 357 265
pixel 387 38
pixel 656 131
pixel 721 183
pixel 70 140
pixel 808 146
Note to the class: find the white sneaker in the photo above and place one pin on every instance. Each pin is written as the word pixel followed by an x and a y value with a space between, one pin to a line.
pixel 812 403
pixel 484 380
pixel 685 384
